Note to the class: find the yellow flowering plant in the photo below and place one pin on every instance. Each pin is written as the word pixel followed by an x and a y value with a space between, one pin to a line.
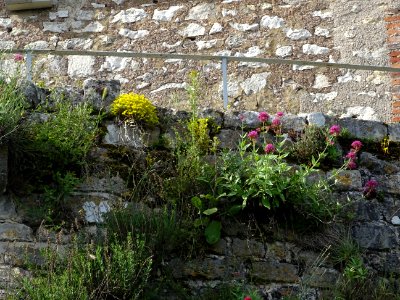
pixel 135 107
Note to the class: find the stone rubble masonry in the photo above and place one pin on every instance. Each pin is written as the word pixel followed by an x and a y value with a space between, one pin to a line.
pixel 393 41
pixel 328 31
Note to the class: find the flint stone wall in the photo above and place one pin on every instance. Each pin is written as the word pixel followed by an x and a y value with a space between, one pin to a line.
pixel 334 31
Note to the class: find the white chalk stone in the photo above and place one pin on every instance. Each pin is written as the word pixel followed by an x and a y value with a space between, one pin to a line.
pixel 201 45
pixel 133 35
pixel 130 15
pixel 255 83
pixel 312 49
pixel 272 22
pixel 298 34
pixel 284 51
pixel 216 28
pixel 38 45
pixel 193 30
pixel 321 81
pixel 360 112
pixel 201 12
pixel 166 15
pixel 169 86
pixel 80 66
pixel 55 27
pixel 244 27
pixel 319 31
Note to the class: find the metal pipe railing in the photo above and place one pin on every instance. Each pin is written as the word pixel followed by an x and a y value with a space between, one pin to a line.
pixel 223 59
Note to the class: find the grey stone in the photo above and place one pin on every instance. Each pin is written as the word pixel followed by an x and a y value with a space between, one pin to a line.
pixel 216 117
pixel 320 277
pixel 293 123
pixel 366 211
pixel 363 129
pixel 389 183
pixel 201 45
pixel 228 139
pixel 95 213
pixel 361 113
pixel 55 27
pixel 247 248
pixel 208 268
pixel 346 180
pixel 131 136
pixel 255 83
pixel 93 27
pixel 7 209
pixel 394 132
pixel 377 166
pixel 133 35
pixel 375 236
pixel 93 91
pixel 114 185
pixel 201 12
pixel 38 45
pixel 216 28
pixel 15 232
pixel 317 119
pixel 233 119
pixel 274 272
pixel 33 94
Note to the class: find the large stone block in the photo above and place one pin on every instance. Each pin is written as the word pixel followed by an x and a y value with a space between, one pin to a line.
pixel 15 232
pixel 228 139
pixel 375 236
pixel 346 180
pixel 320 277
pixel 394 132
pixel 363 129
pixel 101 93
pixel 274 272
pixel 377 166
pixel 389 183
pixel 247 248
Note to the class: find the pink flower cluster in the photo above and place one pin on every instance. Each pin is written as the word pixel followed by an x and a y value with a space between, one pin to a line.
pixel 269 148
pixel 253 135
pixel 247 298
pixel 18 57
pixel 370 188
pixel 334 131
pixel 352 155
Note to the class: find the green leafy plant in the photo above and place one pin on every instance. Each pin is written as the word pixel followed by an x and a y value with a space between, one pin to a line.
pixel 110 271
pixel 135 107
pixel 68 135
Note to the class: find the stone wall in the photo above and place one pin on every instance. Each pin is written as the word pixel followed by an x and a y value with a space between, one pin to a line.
pixel 335 31
pixel 278 262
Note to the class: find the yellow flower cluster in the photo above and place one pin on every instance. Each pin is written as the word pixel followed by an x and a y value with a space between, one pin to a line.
pixel 136 107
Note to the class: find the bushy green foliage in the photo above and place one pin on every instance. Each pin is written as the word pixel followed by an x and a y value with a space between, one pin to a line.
pixel 12 103
pixel 68 135
pixel 118 270
pixel 135 107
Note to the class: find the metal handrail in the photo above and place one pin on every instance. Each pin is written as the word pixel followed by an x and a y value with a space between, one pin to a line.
pixel 223 58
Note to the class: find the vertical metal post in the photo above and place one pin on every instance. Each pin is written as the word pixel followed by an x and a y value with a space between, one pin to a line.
pixel 28 64
pixel 225 81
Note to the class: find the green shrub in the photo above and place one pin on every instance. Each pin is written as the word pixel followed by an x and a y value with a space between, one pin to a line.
pixel 110 271
pixel 68 135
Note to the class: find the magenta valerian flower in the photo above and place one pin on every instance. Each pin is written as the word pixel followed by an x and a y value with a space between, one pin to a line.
pixel 253 135
pixel 276 122
pixel 334 130
pixel 258 129
pixel 356 145
pixel 247 298
pixel 279 114
pixel 269 148
pixel 351 165
pixel 370 188
pixel 242 118
pixel 263 116
pixel 18 57
pixel 351 155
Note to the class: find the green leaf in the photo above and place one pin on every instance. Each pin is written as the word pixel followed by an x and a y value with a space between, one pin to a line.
pixel 210 211
pixel 201 222
pixel 233 210
pixel 213 232
pixel 265 202
pixel 196 201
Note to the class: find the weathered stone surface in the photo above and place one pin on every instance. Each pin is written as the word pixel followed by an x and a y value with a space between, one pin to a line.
pixel 376 165
pixel 272 22
pixel 247 248
pixel 346 180
pixel 317 119
pixel 293 123
pixel 216 28
pixel 284 51
pixel 7 209
pixel 94 90
pixel 375 236
pixel 201 12
pixel 94 213
pixel 321 81
pixel 3 167
pixel 362 129
pixel 298 34
pixel 15 232
pixel 132 136
pixel 56 27
pixel 244 27
pixel 80 66
pixel 209 268
pixel 274 272
pixel 320 277
pixel 166 15
pixel 130 15
pixel 228 139
pixel 366 211
pixel 215 117
pixel 312 49
pixel 319 31
pixel 389 183
pixel 237 119
pixel 193 30
pixel 114 185
pixel 255 83
pixel 361 113
pixel 394 132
